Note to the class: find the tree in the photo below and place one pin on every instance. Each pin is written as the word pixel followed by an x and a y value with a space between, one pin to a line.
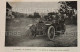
pixel 36 15
pixel 68 8
pixel 72 4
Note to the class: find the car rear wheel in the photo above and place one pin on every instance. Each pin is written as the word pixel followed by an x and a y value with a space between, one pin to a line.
pixel 51 33
pixel 64 29
pixel 33 31
pixel 33 35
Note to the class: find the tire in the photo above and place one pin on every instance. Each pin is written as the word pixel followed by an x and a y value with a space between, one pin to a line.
pixel 64 27
pixel 33 35
pixel 33 31
pixel 63 31
pixel 51 33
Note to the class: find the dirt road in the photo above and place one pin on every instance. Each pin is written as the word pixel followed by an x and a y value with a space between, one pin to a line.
pixel 22 37
pixel 69 39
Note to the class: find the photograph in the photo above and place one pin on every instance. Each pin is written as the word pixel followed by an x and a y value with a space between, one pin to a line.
pixel 41 24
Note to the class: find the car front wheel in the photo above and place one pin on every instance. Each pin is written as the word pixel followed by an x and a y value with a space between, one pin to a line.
pixel 51 33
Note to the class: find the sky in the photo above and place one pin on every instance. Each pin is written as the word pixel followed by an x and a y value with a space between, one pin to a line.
pixel 31 7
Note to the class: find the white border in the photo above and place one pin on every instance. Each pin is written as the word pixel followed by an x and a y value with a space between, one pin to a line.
pixel 12 49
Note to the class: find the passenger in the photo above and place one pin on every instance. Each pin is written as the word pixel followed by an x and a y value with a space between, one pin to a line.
pixel 61 21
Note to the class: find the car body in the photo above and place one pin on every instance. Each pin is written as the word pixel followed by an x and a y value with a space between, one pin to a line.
pixel 49 26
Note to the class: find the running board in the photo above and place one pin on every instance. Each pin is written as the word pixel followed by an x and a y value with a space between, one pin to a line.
pixel 58 31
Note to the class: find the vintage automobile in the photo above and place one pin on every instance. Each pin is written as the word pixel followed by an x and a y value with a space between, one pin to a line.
pixel 49 25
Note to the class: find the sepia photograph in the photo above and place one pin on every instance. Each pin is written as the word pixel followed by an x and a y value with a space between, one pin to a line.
pixel 41 24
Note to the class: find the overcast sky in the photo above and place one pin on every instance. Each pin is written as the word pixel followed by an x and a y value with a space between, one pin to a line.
pixel 30 7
